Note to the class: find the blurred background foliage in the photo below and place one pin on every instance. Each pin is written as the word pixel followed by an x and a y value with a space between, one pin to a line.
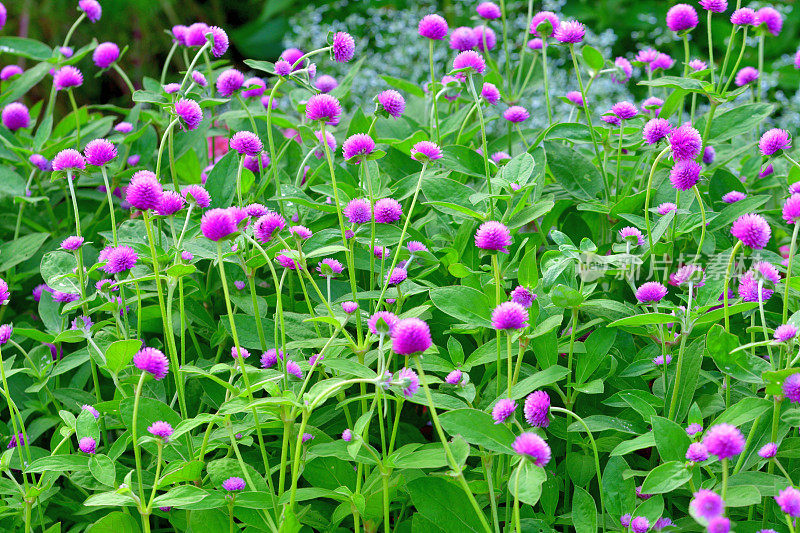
pixel 386 29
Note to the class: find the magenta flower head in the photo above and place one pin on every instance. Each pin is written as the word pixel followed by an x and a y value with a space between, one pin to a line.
pixel 270 358
pixel 653 104
pixel 715 6
pixel 490 93
pixel 326 83
pixel 219 41
pixel 791 387
pixel 91 9
pixel 640 524
pixel 357 146
pixel 523 296
pixel 697 65
pixel 685 174
pixel 749 289
pixel 536 44
pixel 253 163
pixel 410 336
pixel 144 191
pixel 709 154
pixel 537 409
pixel 625 520
pixel 485 36
pixel 99 152
pixel 791 208
pixel 324 108
pixel 569 32
pixel 293 367
pixel 196 34
pixel 161 430
pixel 347 435
pixel 72 243
pixel 532 447
pixel 343 47
pixel 252 87
pixel 646 56
pixel 105 54
pixel 744 17
pixel 9 71
pixel 234 484
pixel 408 380
pixel 666 207
pixel 5 294
pixel 217 224
pixel 696 453
pixel 426 151
pixel 118 259
pixel 503 410
pixel 662 61
pixel 655 130
pixel 488 10
pixel 693 429
pixel 67 77
pixel 624 110
pixel 433 27
pixel 387 211
pixel 774 140
pixel 6 330
pixel 733 197
pixel 493 235
pixel 171 203
pixel 91 409
pixel 769 19
pixel 454 377
pixel 508 316
pixel 16 116
pixel 768 451
pixel 292 55
pixel 681 17
pixel 651 292
pixel 87 445
pixel 349 307
pixel 470 62
pixel 789 501
pixel 785 333
pixel 575 97
pixel 152 361
pixel 283 68
pixel 632 235
pixel 329 267
pixel 382 322
pixel 685 143
pixel 706 504
pixel 391 102
pixel 197 194
pixel 516 114
pixel 397 276
pixel 267 225
pixel 69 160
pixel 358 211
pixel 538 27
pixel 745 76
pixel 246 143
pixel 752 230
pixel 189 113
pixel 611 119
pixel 724 441
pixel 463 39
pixel 624 68
pixel 229 82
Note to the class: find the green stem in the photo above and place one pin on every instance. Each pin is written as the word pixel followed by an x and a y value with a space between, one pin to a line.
pixel 647 197
pixel 110 204
pixel 137 454
pixel 77 118
pixel 738 61
pixel 725 285
pixel 589 118
pixel 485 149
pixel 273 167
pixel 124 77
pixel 432 90
pixel 792 251
pixel 703 215
pixel 710 47
pixel 546 82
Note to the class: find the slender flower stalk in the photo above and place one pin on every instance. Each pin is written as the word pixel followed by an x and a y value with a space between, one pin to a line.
pixel 432 90
pixel 738 61
pixel 789 266
pixel 484 150
pixel 647 196
pixel 725 284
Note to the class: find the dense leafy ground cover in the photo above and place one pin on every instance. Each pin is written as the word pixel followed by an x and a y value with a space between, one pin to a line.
pixel 250 303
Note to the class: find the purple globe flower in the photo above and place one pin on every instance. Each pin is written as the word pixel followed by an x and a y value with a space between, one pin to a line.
pixel 219 41
pixel 292 56
pixel 744 17
pixel 463 39
pixel 200 79
pixel 87 445
pixel 152 361
pixel 733 197
pixel 72 243
pixel 118 259
pixel 770 19
pixel 536 44
pixel 791 387
pixel 516 114
pixel 9 71
pixel 685 143
pixel 774 140
pixel 523 296
pixel 196 34
pixel 532 447
pixel 789 501
pixel 696 453
pixel 470 62
pixel 67 77
pixel 161 430
pixel 197 194
pixel 382 322
pixel 91 9
pixel 410 336
pixel 611 119
pixel 785 333
pixel 624 110
pixel 538 27
pixel 749 289
pixel 426 151
pixel 358 211
pixel 665 208
pixel 270 358
pixel 234 484
pixel 329 267
pixel 408 381
pixel 490 93
pixel 791 207
pixel 286 261
pixel 681 17
pixel 685 174
pixel 651 292
pixel 655 130
pixel 344 47
pixel 69 160
pixel 387 211
pixel 217 224
pixel 326 84
pixel 246 143
pixel 6 330
pixel 662 61
pixel 454 377
pixel 349 307
pixel 105 54
pixel 433 27
pixel 716 6
pixel 486 38
pixel 508 316
pixel 706 504
pixel 357 146
pixel 489 10
pixel 144 191
pixel 537 409
pixel 267 225
pixel 752 230
pixel 575 97
pixel 16 116
pixel 253 88
pixel 646 56
pixel 293 369
pixel 65 297
pixel 724 441
pixel 640 524
pixel 697 65
pixel 625 520
pixel 693 429
pixel 625 68
pixel 323 108
pixel 229 82
pixel 654 104
pixel 632 235
pixel 397 276
pixel 503 410
pixel 493 235
pixel 189 112
pixel 171 203
pixel 99 152
pixel 708 155
pixel 569 32
pixel 283 68
pixel 768 451
pixel 16 440
pixel 745 76
pixel 347 435
pixel 392 103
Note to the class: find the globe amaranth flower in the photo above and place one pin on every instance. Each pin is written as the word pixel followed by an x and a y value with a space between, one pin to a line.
pixel 99 152
pixel 681 17
pixel 67 77
pixel 789 501
pixel 246 143
pixel 724 441
pixel 791 387
pixel 329 267
pixel 397 276
pixel 611 119
pixel 632 235
pixel 733 197
pixel 503 410
pixel 9 71
pixel 324 108
pixel 16 116
pixel 358 211
pixel 493 235
pixel 454 377
pixel 769 18
pixel 91 8
pixel 95 413
pixel 685 174
pixel 470 62
pixel 387 211
pixel 696 453
pixel 433 27
pixel 486 38
pixel 646 56
pixel 654 104
pixel 189 112
pixel 219 41
pixel 766 272
pixel 685 143
pixel 490 93
pixel 532 447
pixel 285 260
pixel 716 6
pixel 343 47
pixel 744 17
pixel 16 440
pixel 253 163
pixel 749 289
pixel 745 76
pixel 234 484
pixel 697 65
pixel 706 504
pixel 426 151
pixel 105 54
pixel 65 297
pixel 791 207
pixel 463 39
pixel 522 296
pixel 624 110
pixel 217 224
pixel 752 230
pixel 292 56
pixel 326 83
pixel 391 102
pixel 655 130
pixel 575 97
pixel 661 360
pixel 662 61
pixel 719 524
pixel 708 155
pixel 118 259
pixel 773 141
pixel 536 44
pixel 410 336
pixel 253 87
pixel 196 34
pixel 651 292
pixel 161 430
pixel 144 191
pixel 69 160
pixel 347 435
pixel 665 208
pixel 87 445
pixel 768 451
pixel 508 316
pixel 785 333
pixel 36 293
pixel 152 361
pixel 270 357
pixel 197 194
pixel 6 330
pixel 516 114
pixel 488 10
pixel 624 68
pixel 267 225
pixel 357 146
pixel 640 524
pixel 537 409
pixel 229 82
pixel 539 29
pixel 408 380
pixel 292 368
pixel 382 322
pixel 569 32
pixel 71 243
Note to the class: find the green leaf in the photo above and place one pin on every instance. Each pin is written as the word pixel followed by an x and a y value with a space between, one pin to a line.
pixel 666 478
pixel 675 82
pixel 531 478
pixel 540 379
pixel 444 503
pixel 120 353
pixel 102 469
pixel 22 84
pixel 24 47
pixel 592 57
pixel 671 439
pixel 743 411
pixel 528 273
pixel 597 347
pixel 15 251
pixel 60 464
pixel 690 373
pixel 463 303
pixel 643 320
pixel 462 159
pixel 578 175
pixel 566 297
pixel 735 121
pixel 740 365
pixel 221 182
pixel 180 497
pixel 478 427
pixel 115 522
pixel 584 511
pixel 619 491
pixel 56 268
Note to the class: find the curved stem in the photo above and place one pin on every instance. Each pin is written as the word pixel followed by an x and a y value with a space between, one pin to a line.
pixel 273 167
pixel 109 196
pixel 546 82
pixel 738 61
pixel 710 46
pixel 77 118
pixel 167 62
pixel 485 149
pixel 124 77
pixel 647 197
pixel 725 285
pixel 433 92
pixel 136 452
pixel 589 118
pixel 703 215
pixel 161 148
pixel 72 29
pixel 792 251
pixel 190 68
